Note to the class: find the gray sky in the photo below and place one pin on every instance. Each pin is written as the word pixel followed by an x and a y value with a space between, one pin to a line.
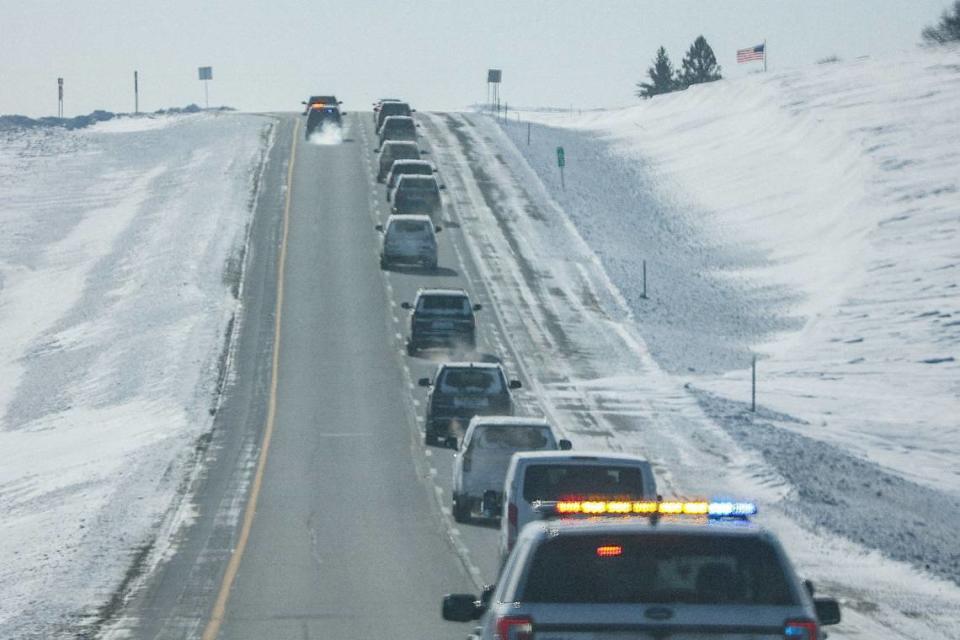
pixel 269 55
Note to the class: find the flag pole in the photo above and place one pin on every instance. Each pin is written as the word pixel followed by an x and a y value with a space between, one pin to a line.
pixel 764 55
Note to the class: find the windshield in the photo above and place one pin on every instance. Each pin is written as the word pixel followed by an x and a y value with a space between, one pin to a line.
pixel 551 482
pixel 511 437
pixel 401 150
pixel 408 184
pixel 409 226
pixel 657 569
pixel 395 109
pixel 401 126
pixel 444 304
pixel 487 381
pixel 412 169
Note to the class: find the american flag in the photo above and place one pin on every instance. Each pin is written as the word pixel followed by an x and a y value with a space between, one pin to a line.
pixel 751 54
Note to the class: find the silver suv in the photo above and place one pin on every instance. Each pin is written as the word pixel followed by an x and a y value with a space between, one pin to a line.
pixel 644 578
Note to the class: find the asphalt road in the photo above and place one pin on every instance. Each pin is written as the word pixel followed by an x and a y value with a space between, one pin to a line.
pixel 351 537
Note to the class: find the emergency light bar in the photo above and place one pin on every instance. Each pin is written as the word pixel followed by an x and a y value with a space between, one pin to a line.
pixel 717 510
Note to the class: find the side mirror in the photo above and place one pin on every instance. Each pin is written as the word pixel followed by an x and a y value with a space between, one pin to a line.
pixel 343 113
pixel 487 594
pixel 452 443
pixel 303 102
pixel 477 307
pixel 413 110
pixel 438 228
pixel 379 228
pixel 828 610
pixel 461 607
pixel 406 305
pixel 339 101
pixel 443 187
pixel 515 384
pixel 808 585
pixel 377 150
pixel 424 382
pixel 565 445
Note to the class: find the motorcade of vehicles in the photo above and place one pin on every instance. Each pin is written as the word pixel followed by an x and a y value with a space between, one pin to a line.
pixel 648 569
pixel 480 465
pixel 459 391
pixel 409 239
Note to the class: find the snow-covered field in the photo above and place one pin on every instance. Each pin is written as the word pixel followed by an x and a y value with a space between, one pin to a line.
pixel 120 268
pixel 811 216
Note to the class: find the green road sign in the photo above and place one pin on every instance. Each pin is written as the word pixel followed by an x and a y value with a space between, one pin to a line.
pixel 561 159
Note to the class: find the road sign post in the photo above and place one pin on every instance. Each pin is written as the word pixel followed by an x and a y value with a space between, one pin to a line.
pixel 59 97
pixel 561 162
pixel 493 88
pixel 206 74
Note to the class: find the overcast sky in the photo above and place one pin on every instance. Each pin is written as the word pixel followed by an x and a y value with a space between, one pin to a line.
pixel 269 54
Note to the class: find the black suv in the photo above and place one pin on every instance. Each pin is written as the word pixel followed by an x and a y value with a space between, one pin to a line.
pixel 323 101
pixel 461 390
pixel 441 317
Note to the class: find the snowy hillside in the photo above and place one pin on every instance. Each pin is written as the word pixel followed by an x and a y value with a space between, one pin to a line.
pixel 811 216
pixel 108 373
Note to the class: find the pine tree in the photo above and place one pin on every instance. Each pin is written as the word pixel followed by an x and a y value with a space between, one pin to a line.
pixel 948 30
pixel 661 77
pixel 699 65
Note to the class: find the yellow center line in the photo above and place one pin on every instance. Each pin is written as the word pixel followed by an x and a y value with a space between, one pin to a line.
pixel 212 629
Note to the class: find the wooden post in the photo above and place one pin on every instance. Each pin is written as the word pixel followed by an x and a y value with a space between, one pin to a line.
pixel 644 295
pixel 528 134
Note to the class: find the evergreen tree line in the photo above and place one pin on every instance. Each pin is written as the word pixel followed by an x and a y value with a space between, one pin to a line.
pixel 948 30
pixel 698 66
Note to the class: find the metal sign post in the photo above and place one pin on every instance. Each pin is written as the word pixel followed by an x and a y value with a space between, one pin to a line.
pixel 136 92
pixel 206 74
pixel 561 162
pixel 59 97
pixel 493 88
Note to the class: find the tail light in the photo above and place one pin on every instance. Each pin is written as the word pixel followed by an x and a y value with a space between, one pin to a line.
pixel 514 628
pixel 800 630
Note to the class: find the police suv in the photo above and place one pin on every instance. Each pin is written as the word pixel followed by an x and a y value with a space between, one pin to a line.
pixel 646 570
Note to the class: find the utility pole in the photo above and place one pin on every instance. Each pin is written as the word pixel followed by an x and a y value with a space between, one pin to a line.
pixel 136 93
pixel 59 97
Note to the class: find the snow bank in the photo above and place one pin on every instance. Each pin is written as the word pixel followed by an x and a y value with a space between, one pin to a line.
pixel 823 204
pixel 119 267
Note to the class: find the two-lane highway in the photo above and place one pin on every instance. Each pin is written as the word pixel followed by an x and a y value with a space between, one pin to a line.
pixel 347 540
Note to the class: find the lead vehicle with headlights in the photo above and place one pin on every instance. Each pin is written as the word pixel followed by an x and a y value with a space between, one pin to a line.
pixel 461 390
pixel 646 577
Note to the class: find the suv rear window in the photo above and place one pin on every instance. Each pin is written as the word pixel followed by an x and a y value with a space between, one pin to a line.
pixel 410 182
pixel 487 381
pixel 400 126
pixel 409 226
pixel 443 304
pixel 510 437
pixel 551 482
pixel 662 568
pixel 395 109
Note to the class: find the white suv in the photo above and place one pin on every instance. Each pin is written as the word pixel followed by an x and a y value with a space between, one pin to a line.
pixel 636 577
pixel 549 476
pixel 481 463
